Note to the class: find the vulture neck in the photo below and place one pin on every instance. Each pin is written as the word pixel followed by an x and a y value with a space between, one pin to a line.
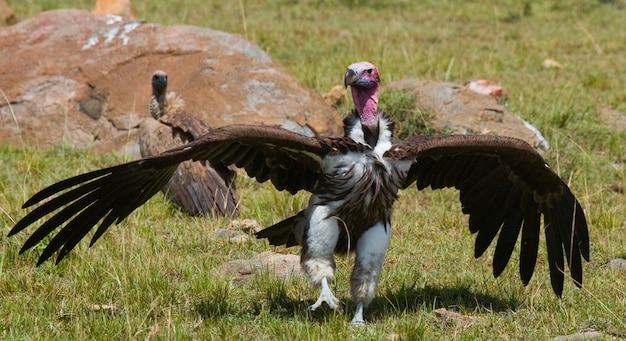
pixel 157 103
pixel 366 103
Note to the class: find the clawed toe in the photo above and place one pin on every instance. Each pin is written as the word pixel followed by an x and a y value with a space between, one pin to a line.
pixel 327 296
pixel 357 323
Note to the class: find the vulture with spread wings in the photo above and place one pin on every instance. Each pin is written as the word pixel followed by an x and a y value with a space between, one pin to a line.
pixel 505 186
pixel 197 187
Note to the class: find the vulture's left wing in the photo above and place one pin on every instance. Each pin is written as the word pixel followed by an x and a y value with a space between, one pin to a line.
pixel 505 186
pixel 291 161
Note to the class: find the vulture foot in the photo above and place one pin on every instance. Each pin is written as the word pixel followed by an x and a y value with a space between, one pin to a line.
pixel 326 296
pixel 358 320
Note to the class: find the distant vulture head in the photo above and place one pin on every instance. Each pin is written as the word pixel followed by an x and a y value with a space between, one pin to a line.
pixel 159 89
pixel 159 82
pixel 364 79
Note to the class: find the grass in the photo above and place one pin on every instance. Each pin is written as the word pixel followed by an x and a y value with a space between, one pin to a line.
pixel 152 277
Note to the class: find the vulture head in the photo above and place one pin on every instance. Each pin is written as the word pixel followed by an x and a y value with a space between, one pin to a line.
pixel 159 89
pixel 364 80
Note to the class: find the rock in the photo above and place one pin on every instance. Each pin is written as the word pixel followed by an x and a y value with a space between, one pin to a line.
pixel 616 264
pixel 83 79
pixel 6 14
pixel 585 335
pixel 122 8
pixel 459 110
pixel 551 64
pixel 457 318
pixel 282 266
pixel 111 308
pixel 611 117
pixel 485 87
pixel 245 225
pixel 237 237
pixel 336 96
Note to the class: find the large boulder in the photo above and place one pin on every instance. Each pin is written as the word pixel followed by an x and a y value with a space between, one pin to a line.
pixel 460 110
pixel 83 79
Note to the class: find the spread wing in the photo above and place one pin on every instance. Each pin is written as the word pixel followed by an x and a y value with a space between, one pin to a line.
pixel 291 161
pixel 505 186
pixel 198 188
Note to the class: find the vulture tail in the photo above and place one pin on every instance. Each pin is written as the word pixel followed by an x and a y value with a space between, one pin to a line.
pixel 283 232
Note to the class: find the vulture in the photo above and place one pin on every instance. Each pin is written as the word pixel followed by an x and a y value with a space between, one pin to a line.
pixel 198 188
pixel 504 186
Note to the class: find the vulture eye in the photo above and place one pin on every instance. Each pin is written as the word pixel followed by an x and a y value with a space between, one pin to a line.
pixel 369 71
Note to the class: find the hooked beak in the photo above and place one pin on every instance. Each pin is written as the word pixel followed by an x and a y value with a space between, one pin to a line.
pixel 350 78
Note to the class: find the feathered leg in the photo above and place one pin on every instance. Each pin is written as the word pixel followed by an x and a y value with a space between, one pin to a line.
pixel 370 255
pixel 317 253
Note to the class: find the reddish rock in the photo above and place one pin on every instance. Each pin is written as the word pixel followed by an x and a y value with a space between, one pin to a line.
pixel 114 7
pixel 6 14
pixel 483 86
pixel 336 96
pixel 83 79
pixel 459 110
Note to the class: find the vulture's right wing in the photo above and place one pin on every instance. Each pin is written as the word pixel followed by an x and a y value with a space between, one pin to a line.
pixel 291 161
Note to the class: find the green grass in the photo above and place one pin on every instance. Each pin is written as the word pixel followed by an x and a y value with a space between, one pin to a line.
pixel 157 268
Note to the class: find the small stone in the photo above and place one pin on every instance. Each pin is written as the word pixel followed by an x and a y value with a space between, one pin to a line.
pixel 240 239
pixel 485 87
pixel 584 335
pixel 611 117
pixel 617 263
pixel 245 225
pixel 282 266
pixel 104 307
pixel 91 107
pixel 457 318
pixel 227 234
pixel 551 64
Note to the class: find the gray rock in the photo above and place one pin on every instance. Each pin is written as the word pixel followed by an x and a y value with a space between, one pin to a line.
pixel 459 110
pixel 617 263
pixel 230 235
pixel 585 335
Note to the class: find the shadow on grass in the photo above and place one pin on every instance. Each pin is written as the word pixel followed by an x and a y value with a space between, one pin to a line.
pixel 461 298
pixel 276 301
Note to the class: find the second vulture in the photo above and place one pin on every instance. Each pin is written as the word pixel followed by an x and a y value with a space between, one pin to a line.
pixel 198 188
pixel 505 186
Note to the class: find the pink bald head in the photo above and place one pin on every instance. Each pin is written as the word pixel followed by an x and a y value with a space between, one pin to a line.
pixel 364 80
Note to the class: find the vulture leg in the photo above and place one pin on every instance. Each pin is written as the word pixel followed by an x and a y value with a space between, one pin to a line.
pixel 370 255
pixel 317 252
